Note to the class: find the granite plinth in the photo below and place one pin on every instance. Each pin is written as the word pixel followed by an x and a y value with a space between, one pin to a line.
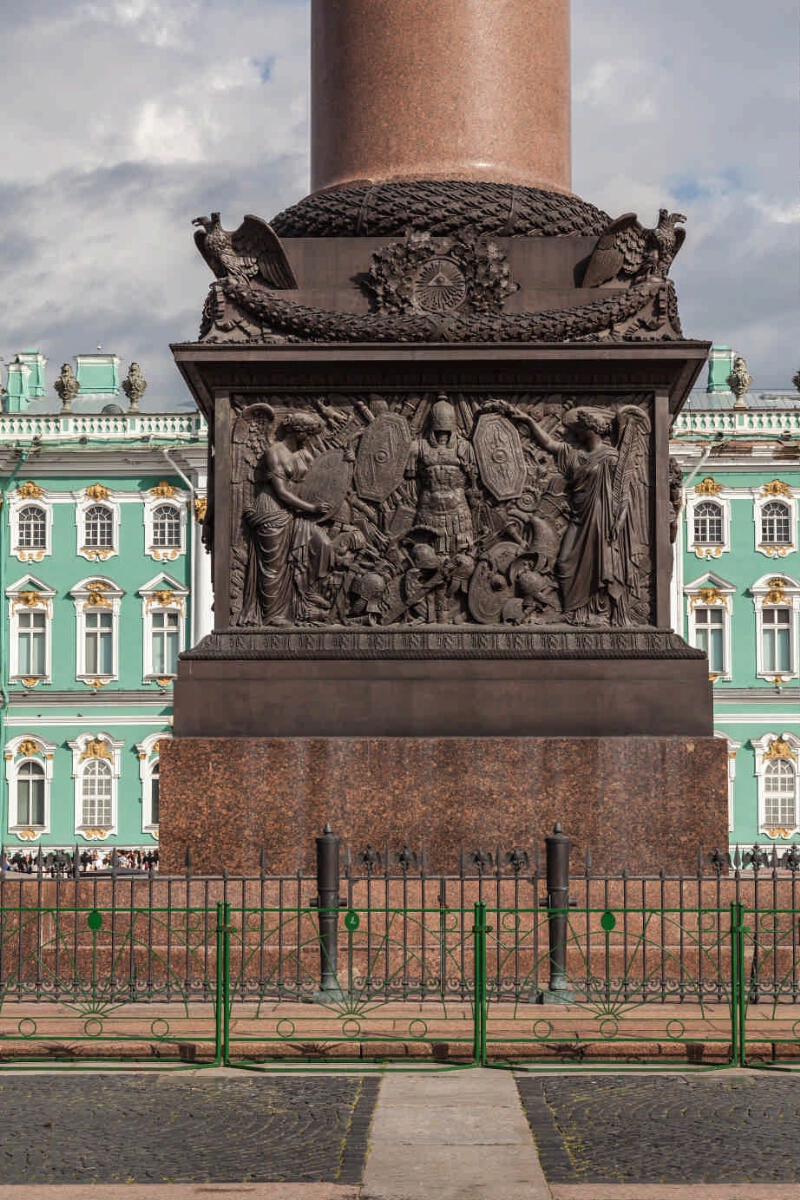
pixel 406 89
pixel 639 802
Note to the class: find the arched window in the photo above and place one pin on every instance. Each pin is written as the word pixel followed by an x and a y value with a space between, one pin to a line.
pixel 30 793
pixel 780 793
pixel 708 524
pixel 776 524
pixel 167 527
pixel 99 527
pixel 96 794
pixel 32 528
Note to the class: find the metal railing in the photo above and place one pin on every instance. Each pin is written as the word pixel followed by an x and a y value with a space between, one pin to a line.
pixel 382 960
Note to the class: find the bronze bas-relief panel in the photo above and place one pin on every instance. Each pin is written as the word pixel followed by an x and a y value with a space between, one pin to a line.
pixel 425 510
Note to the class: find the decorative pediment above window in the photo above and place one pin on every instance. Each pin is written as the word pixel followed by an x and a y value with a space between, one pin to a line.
pixel 708 487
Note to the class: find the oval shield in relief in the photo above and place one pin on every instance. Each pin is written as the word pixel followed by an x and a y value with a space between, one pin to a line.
pixel 327 481
pixel 500 458
pixel 488 592
pixel 382 455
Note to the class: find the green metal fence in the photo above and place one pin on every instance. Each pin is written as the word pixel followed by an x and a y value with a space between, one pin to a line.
pixel 254 982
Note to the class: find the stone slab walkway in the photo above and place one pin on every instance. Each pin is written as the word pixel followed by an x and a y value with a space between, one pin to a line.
pixel 456 1136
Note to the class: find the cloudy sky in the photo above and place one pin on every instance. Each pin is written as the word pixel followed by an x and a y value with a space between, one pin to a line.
pixel 124 119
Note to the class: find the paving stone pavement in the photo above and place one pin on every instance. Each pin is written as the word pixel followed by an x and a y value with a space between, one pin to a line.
pixel 711 1129
pixel 130 1128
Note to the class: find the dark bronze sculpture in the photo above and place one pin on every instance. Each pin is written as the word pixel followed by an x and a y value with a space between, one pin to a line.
pixel 466 524
pixel 627 252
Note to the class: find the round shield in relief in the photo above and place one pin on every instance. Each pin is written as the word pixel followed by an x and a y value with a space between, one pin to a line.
pixel 488 592
pixel 327 481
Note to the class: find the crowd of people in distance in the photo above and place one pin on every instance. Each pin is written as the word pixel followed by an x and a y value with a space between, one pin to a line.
pixel 58 863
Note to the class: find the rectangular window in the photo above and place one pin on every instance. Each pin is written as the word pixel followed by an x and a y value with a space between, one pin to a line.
pixel 30 801
pixel 99 643
pixel 31 645
pixel 166 626
pixel 710 633
pixel 776 637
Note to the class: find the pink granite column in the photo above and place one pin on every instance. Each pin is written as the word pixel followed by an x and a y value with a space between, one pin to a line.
pixel 440 89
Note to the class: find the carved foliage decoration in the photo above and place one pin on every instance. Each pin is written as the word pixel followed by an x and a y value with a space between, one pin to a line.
pixel 446 510
pixel 96 748
pixel 163 491
pixel 779 748
pixel 29 491
pixel 708 487
pixel 777 593
pixel 440 275
pixel 97 491
pixel 776 487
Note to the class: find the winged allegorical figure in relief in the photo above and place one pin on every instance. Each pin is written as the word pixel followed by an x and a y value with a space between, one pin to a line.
pixel 628 253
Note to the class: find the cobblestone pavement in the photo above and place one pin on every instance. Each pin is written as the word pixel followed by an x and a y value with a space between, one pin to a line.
pixel 165 1129
pixel 668 1129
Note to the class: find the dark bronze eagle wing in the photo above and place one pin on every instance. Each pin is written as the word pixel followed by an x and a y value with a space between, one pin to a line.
pixel 622 242
pixel 257 241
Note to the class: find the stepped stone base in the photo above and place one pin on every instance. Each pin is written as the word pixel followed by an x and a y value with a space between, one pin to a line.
pixel 638 802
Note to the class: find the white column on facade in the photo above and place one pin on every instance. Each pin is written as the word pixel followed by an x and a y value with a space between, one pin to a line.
pixel 202 593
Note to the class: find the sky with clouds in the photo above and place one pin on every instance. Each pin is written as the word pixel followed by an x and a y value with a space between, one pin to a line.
pixel 124 119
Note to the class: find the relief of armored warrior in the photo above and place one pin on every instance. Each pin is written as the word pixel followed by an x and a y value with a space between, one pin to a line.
pixel 445 469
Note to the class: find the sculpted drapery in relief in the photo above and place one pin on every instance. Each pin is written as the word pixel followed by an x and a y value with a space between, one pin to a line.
pixel 441 510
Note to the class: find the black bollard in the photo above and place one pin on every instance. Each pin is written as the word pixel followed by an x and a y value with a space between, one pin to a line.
pixel 327 905
pixel 558 846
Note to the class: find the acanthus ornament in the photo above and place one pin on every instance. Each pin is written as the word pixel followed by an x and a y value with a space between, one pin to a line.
pixel 96 597
pixel 780 748
pixel 163 491
pixel 707 596
pixel 708 487
pixel 28 835
pixel 96 748
pixel 778 831
pixel 95 834
pixel 200 505
pixel 777 592
pixel 28 599
pixel 29 491
pixel 97 491
pixel 776 487
pixel 28 748
pixel 30 681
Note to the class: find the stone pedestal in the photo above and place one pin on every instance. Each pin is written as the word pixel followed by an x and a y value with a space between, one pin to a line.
pixel 638 802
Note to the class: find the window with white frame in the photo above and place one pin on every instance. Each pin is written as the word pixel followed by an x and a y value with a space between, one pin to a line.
pixel 164 619
pixel 165 522
pixel 29 772
pixel 30 621
pixel 167 527
pixel 96 769
pixel 708 523
pixel 97 609
pixel 32 528
pixel 776 524
pixel 97 516
pixel 31 521
pixel 778 783
pixel 777 605
pixel 150 775
pixel 708 519
pixel 98 528
pixel 709 603
pixel 775 519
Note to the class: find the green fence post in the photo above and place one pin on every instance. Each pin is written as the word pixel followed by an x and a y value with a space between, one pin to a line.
pixel 480 929
pixel 220 987
pixel 738 988
pixel 226 985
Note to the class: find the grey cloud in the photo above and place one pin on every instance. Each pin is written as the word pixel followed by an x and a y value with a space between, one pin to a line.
pixel 136 117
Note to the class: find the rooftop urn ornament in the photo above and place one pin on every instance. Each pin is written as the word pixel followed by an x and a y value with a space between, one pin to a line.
pixel 739 382
pixel 134 387
pixel 67 387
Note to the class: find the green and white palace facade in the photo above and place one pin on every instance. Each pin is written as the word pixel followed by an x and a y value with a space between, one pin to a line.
pixel 736 591
pixel 105 580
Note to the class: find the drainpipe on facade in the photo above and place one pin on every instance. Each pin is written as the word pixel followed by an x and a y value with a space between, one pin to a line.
pixel 189 540
pixel 5 485
pixel 718 437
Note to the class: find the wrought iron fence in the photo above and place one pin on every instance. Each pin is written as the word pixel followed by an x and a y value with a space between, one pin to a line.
pixel 503 960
